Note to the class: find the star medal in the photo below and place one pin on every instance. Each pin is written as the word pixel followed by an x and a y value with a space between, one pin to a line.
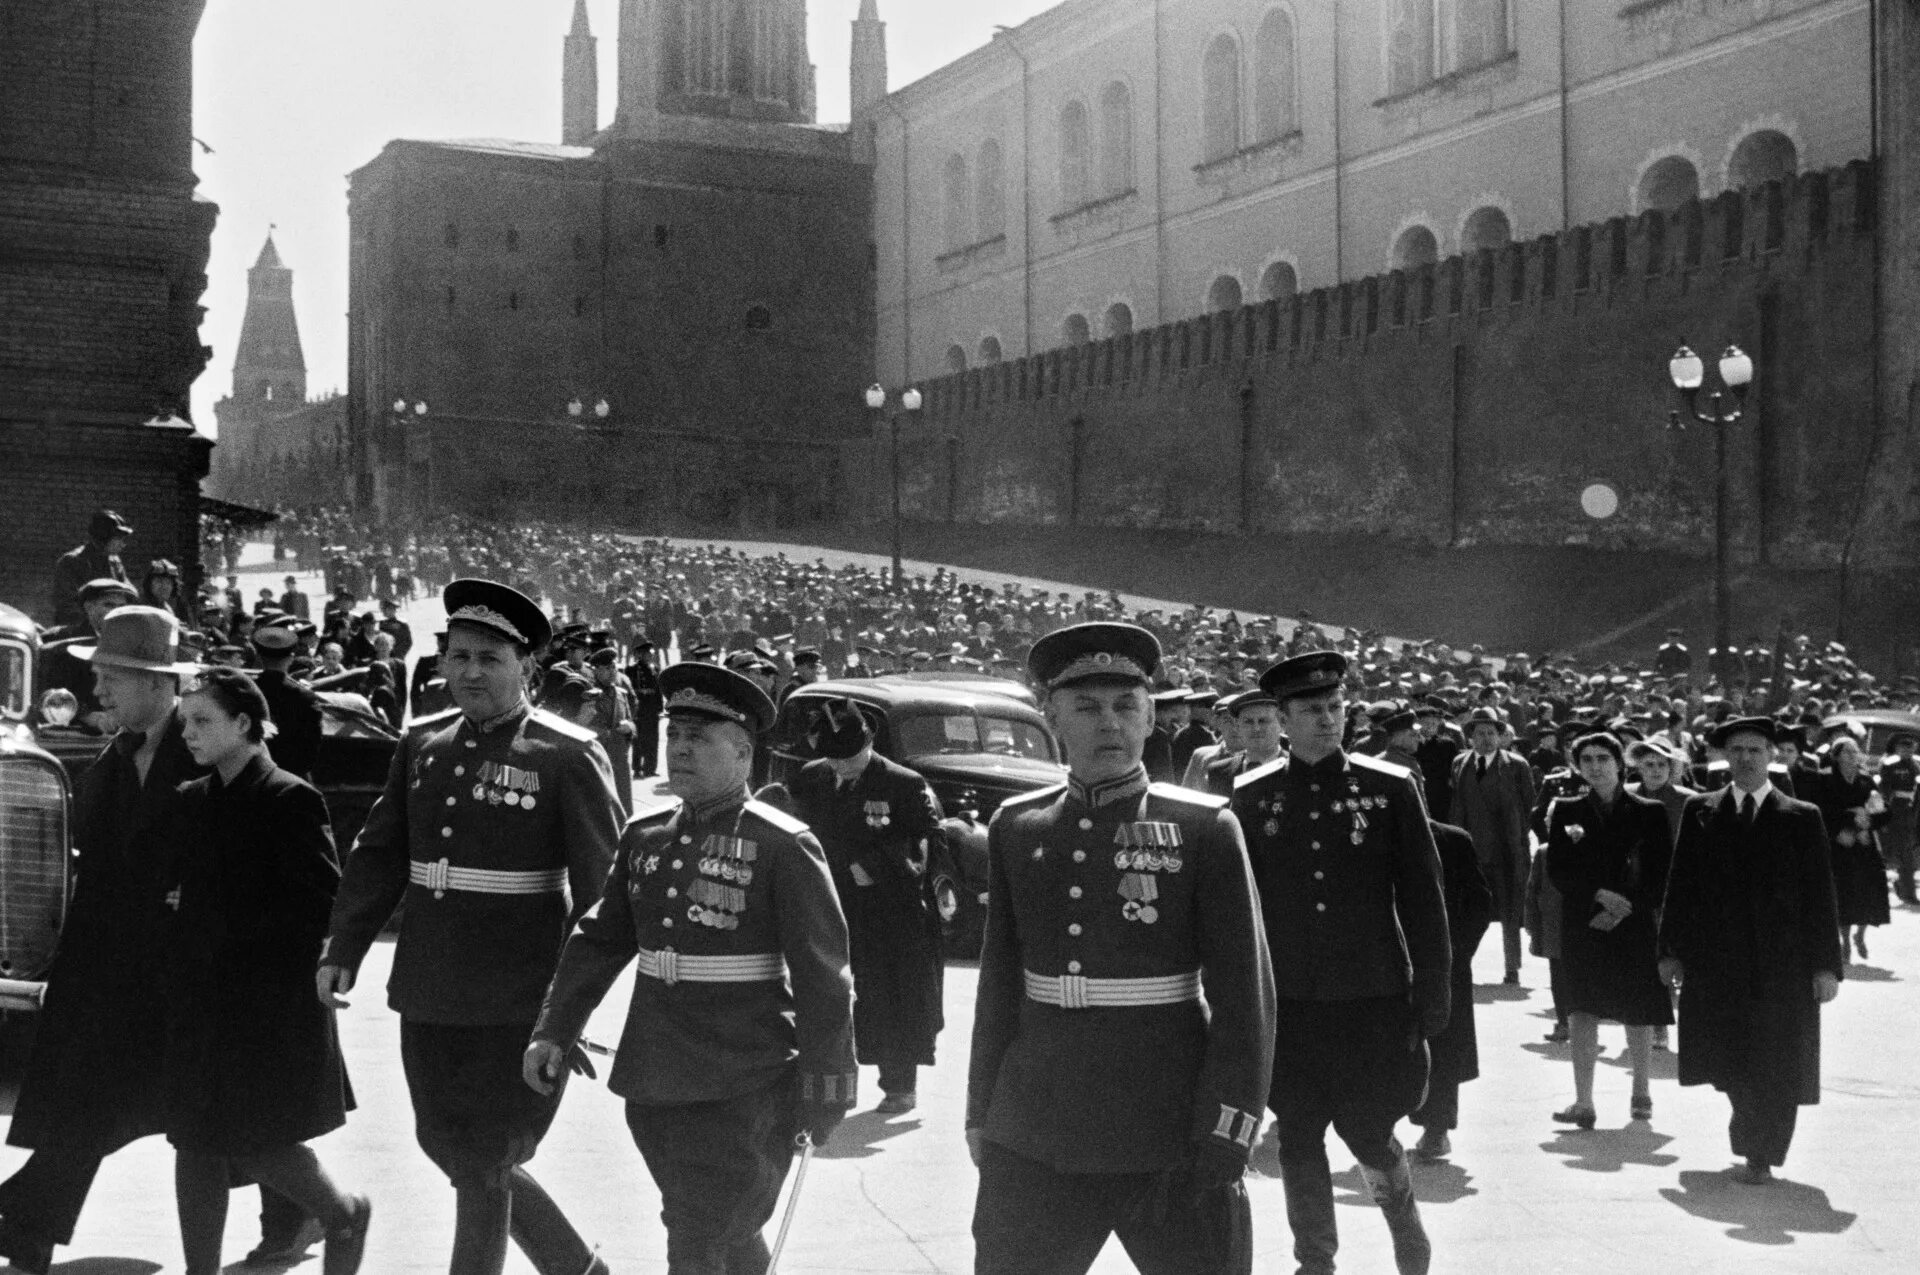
pixel 1139 890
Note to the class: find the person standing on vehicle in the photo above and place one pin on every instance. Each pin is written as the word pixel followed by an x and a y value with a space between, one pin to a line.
pixel 91 1086
pixel 1100 1076
pixel 879 824
pixel 497 827
pixel 97 559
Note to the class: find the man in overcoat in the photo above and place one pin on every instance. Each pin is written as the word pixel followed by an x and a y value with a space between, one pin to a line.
pixel 879 824
pixel 1350 891
pixel 1493 800
pixel 1123 1034
pixel 1456 1051
pixel 1750 934
pixel 97 559
pixel 497 827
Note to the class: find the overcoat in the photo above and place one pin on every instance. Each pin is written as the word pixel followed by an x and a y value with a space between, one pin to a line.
pixel 1624 847
pixel 253 1058
pixel 1495 810
pixel 1859 873
pixel 885 821
pixel 91 1084
pixel 1750 914
pixel 1456 1051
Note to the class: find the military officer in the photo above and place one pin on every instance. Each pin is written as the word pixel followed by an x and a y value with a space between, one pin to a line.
pixel 1899 778
pixel 1099 1076
pixel 295 745
pixel 1351 892
pixel 1400 733
pixel 496 820
pixel 740 1030
pixel 1170 718
pixel 1673 659
pixel 1257 726
pixel 879 823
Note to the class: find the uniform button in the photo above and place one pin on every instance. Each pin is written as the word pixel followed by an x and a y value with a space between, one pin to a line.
pixel 446 832
pixel 667 921
pixel 1074 929
pixel 686 839
pixel 471 744
pixel 1319 907
pixel 449 801
pixel 1313 814
pixel 672 893
pixel 1316 845
pixel 1079 856
pixel 1074 893
pixel 1073 967
pixel 676 864
pixel 459 770
pixel 1319 876
pixel 1315 787
pixel 1086 824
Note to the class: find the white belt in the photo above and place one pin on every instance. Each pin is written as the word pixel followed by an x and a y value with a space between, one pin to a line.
pixel 443 876
pixel 1076 991
pixel 672 967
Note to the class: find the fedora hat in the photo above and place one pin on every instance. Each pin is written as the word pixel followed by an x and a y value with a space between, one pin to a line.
pixel 139 637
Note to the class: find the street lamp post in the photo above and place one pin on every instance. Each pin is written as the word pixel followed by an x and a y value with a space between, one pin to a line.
pixel 404 413
pixel 1688 373
pixel 909 401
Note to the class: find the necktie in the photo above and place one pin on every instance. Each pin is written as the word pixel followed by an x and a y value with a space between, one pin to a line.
pixel 1482 764
pixel 1749 807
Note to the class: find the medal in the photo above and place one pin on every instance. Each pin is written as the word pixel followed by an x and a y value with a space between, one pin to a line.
pixel 526 802
pixel 513 799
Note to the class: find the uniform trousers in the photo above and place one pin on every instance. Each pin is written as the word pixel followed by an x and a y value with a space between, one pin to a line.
pixel 1764 1115
pixel 719 1166
pixel 1033 1219
pixel 479 1122
pixel 44 1197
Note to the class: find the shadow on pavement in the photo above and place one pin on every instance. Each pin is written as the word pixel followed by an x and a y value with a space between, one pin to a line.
pixel 106 1266
pixel 1611 1150
pixel 1758 1214
pixel 860 1136
pixel 1494 993
pixel 1441 1182
pixel 1870 974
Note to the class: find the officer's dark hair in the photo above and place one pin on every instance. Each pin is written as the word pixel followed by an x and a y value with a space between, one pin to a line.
pixel 1601 739
pixel 236 693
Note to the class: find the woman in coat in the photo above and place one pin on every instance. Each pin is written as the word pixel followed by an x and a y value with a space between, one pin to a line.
pixel 1854 812
pixel 1608 853
pixel 1662 768
pixel 253 1061
pixel 1455 1051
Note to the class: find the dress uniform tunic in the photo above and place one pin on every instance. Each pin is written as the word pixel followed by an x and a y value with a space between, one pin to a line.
pixel 741 1012
pixel 486 832
pixel 1096 1065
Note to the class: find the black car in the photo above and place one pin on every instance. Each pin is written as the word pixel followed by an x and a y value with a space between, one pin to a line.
pixel 976 741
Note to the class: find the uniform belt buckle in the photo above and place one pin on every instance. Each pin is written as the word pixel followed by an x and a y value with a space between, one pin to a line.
pixel 669 966
pixel 437 878
pixel 1073 991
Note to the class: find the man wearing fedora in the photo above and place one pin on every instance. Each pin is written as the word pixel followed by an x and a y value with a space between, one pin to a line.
pixel 91 1087
pixel 60 663
pixel 1493 799
pixel 1750 934
pixel 497 827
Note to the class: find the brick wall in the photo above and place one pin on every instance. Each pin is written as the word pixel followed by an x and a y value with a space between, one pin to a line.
pixel 1467 403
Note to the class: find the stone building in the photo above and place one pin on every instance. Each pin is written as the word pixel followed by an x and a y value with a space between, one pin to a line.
pixel 701 267
pixel 277 446
pixel 1113 165
pixel 103 254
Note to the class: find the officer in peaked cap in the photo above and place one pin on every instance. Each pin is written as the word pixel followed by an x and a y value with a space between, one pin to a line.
pixel 740 1028
pixel 295 746
pixel 1351 893
pixel 1115 906
pixel 497 827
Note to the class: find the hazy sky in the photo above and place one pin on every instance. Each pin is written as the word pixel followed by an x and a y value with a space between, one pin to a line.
pixel 294 96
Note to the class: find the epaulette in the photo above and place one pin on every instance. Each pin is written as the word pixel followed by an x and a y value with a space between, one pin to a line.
pixel 779 818
pixel 1187 796
pixel 1273 767
pixel 432 722
pixel 1023 798
pixel 659 815
pixel 1380 764
pixel 561 726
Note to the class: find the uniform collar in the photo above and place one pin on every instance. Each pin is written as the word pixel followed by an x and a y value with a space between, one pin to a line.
pixel 1334 763
pixel 512 717
pixel 1107 791
pixel 715 808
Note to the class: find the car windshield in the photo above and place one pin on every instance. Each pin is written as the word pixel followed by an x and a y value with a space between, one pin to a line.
pixel 964 732
pixel 14 684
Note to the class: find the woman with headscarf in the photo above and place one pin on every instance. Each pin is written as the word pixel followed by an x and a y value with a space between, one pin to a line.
pixel 160 587
pixel 1854 812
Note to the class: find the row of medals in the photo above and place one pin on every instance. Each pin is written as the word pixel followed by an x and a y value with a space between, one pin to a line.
pixel 715 905
pixel 1137 886
pixel 513 785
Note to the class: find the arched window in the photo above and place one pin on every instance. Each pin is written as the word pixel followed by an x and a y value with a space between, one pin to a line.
pixel 1761 157
pixel 1076 330
pixel 1273 68
pixel 989 351
pixel 1410 45
pixel 1667 184
pixel 1119 319
pixel 1116 139
pixel 708 45
pixel 990 206
pixel 1220 99
pixel 959 223
pixel 1279 282
pixel 1415 247
pixel 1074 147
pixel 1223 295
pixel 1487 227
pixel 956 359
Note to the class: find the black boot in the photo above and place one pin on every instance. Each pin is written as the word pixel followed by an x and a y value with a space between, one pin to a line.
pixel 1393 1192
pixel 542 1231
pixel 1309 1187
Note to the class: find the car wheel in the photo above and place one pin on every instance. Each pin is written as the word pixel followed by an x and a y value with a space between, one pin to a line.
pixel 962 920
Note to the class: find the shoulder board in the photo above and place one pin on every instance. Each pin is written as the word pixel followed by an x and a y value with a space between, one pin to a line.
pixel 652 817
pixel 1037 795
pixel 1720 763
pixel 1273 767
pixel 1187 796
pixel 1567 799
pixel 1775 768
pixel 561 726
pixel 432 722
pixel 777 817
pixel 1380 765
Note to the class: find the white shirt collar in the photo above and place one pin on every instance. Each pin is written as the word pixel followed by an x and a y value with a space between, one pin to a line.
pixel 1758 794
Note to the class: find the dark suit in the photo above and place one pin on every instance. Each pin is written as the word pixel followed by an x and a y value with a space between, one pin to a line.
pixel 296 715
pixel 1750 914
pixel 1456 1051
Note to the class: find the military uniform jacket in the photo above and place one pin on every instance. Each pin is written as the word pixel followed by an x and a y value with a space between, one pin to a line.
pixel 734 878
pixel 1350 879
pixel 1120 881
pixel 527 793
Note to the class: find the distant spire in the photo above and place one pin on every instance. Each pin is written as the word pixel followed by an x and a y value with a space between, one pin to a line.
pixel 579 82
pixel 869 63
pixel 269 365
pixel 869 10
pixel 269 258
pixel 581 26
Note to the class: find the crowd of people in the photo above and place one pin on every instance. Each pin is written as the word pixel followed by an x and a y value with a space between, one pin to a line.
pixel 1274 855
